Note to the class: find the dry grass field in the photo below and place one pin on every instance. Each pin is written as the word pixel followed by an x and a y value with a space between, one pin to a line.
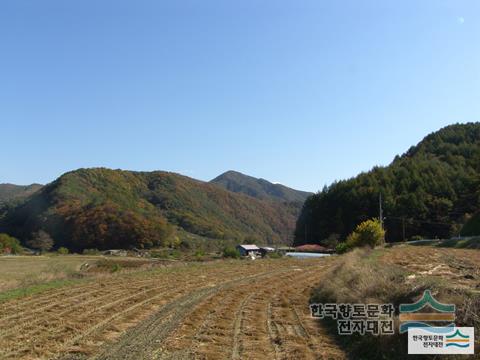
pixel 226 309
pixel 215 310
pixel 24 271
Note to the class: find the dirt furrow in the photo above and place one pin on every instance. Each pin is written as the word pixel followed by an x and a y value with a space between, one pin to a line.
pixel 171 297
pixel 210 318
pixel 71 308
pixel 146 340
pixel 217 311
pixel 300 337
pixel 209 330
pixel 141 342
pixel 70 331
pixel 18 307
pixel 273 332
pixel 256 337
pixel 57 310
pixel 60 328
pixel 237 328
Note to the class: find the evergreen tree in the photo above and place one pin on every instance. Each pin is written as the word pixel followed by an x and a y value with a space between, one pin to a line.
pixel 426 192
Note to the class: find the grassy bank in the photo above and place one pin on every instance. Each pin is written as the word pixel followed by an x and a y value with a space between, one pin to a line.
pixel 368 276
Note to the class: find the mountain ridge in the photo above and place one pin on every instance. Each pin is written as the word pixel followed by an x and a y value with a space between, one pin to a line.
pixel 258 188
pixel 11 192
pixel 106 208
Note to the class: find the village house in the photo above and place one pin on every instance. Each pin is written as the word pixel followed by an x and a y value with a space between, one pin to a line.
pixel 264 250
pixel 248 249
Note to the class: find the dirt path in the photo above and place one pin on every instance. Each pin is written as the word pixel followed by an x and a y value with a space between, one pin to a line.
pixel 227 310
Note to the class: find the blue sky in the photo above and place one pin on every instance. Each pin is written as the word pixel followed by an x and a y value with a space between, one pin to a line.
pixel 297 92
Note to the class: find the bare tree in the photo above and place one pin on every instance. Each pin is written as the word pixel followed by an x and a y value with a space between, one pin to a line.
pixel 41 241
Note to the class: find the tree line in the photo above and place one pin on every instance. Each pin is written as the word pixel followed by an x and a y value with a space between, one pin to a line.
pixel 430 191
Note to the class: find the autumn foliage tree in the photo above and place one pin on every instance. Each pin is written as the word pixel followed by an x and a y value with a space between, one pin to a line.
pixel 108 226
pixel 368 233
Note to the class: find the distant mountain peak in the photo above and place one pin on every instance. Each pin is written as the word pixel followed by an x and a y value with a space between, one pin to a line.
pixel 258 188
pixel 12 192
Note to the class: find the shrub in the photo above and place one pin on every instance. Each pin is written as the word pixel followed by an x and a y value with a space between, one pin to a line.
pixel 368 233
pixel 416 238
pixel 9 244
pixel 173 242
pixel 116 267
pixel 231 252
pixel 341 248
pixel 274 255
pixel 199 253
pixel 62 251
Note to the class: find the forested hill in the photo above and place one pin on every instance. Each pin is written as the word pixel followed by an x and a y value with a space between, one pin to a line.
pixel 428 191
pixel 259 188
pixel 10 192
pixel 102 208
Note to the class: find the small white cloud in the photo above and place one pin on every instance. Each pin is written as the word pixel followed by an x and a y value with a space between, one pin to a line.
pixel 460 19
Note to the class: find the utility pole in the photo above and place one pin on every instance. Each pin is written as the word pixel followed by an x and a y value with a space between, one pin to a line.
pixel 380 210
pixel 381 214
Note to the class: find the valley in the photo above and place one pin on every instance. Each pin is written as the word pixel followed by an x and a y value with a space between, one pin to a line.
pixel 225 309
